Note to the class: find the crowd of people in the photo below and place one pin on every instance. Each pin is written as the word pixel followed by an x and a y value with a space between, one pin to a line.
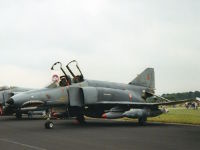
pixel 191 105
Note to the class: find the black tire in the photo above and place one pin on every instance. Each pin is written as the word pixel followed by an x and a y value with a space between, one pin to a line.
pixel 49 125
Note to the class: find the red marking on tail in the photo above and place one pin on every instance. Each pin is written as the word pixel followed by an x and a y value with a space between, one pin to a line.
pixel 148 77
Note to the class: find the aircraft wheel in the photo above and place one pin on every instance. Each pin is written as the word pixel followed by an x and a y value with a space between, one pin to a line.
pixel 49 125
pixel 142 121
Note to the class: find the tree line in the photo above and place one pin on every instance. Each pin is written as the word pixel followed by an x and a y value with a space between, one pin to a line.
pixel 181 96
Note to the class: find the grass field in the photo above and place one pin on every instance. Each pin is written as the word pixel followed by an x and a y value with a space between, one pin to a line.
pixel 179 115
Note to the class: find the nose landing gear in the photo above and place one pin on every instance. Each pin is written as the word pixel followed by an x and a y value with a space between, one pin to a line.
pixel 49 124
pixel 142 121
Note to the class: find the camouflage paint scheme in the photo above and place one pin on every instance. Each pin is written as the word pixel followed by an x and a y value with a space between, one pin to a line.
pixel 5 94
pixel 98 99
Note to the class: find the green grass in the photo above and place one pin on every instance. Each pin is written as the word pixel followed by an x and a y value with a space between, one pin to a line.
pixel 179 115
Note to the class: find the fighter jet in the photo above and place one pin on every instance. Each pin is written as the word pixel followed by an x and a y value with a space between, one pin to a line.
pixel 5 93
pixel 77 97
pixel 8 110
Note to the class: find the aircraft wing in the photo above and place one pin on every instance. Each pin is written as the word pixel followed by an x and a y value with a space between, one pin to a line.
pixel 144 104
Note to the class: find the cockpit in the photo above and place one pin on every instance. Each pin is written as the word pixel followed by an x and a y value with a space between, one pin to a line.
pixel 74 76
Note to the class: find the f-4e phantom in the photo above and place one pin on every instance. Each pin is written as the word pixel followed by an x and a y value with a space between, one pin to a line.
pixel 5 93
pixel 76 97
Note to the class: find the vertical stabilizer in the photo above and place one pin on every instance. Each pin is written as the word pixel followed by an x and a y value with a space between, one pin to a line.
pixel 146 79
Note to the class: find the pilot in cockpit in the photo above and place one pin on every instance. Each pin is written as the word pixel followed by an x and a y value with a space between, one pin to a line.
pixel 64 81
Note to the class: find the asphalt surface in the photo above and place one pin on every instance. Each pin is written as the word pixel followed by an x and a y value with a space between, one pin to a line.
pixel 96 135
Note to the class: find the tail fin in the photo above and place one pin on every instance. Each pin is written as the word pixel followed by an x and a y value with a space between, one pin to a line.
pixel 146 79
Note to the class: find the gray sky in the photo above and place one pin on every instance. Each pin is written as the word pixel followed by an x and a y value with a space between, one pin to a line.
pixel 113 40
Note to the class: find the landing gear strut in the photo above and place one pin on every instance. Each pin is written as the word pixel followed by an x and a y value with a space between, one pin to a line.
pixel 142 121
pixel 49 124
pixel 30 116
pixel 18 115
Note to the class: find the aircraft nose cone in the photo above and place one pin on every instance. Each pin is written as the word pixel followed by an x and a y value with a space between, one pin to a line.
pixel 10 101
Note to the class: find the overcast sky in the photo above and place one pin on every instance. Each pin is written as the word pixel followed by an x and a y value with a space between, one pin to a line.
pixel 112 40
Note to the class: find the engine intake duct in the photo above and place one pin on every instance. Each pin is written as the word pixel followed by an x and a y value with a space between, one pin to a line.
pixel 10 101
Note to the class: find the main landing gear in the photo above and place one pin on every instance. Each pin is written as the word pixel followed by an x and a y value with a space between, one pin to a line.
pixel 18 115
pixel 50 125
pixel 142 121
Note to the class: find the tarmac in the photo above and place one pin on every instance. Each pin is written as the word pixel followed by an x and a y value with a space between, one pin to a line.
pixel 96 135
